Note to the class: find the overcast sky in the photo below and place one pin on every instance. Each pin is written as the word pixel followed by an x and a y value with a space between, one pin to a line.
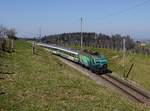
pixel 126 17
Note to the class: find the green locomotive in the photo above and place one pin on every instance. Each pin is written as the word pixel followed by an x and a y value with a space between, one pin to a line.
pixel 91 60
pixel 94 61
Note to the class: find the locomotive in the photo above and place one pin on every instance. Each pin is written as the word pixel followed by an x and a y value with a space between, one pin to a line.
pixel 92 60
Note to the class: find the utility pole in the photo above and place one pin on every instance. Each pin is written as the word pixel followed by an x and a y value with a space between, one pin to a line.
pixel 40 33
pixel 81 35
pixel 95 36
pixel 58 39
pixel 95 42
pixel 124 55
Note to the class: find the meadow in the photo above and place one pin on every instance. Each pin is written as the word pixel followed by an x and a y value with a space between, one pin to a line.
pixel 140 73
pixel 40 82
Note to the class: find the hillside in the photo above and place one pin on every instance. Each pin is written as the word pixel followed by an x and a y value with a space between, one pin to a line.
pixel 41 82
pixel 140 72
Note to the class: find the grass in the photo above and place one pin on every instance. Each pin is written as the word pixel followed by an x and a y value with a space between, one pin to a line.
pixel 148 45
pixel 140 72
pixel 41 82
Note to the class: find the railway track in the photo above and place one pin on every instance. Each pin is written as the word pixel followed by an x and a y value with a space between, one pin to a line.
pixel 132 91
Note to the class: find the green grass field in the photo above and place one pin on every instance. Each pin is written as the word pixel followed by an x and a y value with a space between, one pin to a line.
pixel 140 72
pixel 43 83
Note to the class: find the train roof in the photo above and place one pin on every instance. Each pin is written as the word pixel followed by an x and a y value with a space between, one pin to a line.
pixel 93 55
pixel 59 48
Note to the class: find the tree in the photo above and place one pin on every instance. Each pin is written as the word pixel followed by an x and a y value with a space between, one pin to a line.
pixel 5 34
pixel 11 33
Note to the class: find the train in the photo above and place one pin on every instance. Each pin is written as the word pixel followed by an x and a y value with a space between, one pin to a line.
pixel 92 60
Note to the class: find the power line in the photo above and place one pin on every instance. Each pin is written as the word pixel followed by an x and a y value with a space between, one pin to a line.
pixel 130 8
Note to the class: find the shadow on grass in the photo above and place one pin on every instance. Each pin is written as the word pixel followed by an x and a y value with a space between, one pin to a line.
pixel 2 78
pixel 2 93
pixel 6 72
pixel 36 54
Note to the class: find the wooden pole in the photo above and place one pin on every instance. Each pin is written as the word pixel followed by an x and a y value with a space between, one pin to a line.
pixel 12 45
pixel 129 71
pixel 124 51
pixel 81 35
pixel 33 47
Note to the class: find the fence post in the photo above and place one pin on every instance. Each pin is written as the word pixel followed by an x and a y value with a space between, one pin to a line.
pixel 33 47
pixel 12 45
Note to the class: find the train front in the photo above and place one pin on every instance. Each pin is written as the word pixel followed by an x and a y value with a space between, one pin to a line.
pixel 100 63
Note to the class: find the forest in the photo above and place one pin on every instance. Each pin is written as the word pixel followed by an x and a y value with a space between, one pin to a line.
pixel 100 40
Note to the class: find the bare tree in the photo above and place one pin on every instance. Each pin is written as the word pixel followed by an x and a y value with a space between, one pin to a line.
pixel 6 34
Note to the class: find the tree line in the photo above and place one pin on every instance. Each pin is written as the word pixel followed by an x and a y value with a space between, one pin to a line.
pixel 93 39
pixel 90 39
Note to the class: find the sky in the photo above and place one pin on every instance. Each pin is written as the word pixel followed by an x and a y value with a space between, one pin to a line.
pixel 124 17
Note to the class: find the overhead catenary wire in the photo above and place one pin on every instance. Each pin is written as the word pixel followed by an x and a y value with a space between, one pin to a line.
pixel 124 41
pixel 126 10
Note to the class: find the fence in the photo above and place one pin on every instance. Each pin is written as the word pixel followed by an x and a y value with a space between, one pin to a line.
pixel 6 45
pixel 117 46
